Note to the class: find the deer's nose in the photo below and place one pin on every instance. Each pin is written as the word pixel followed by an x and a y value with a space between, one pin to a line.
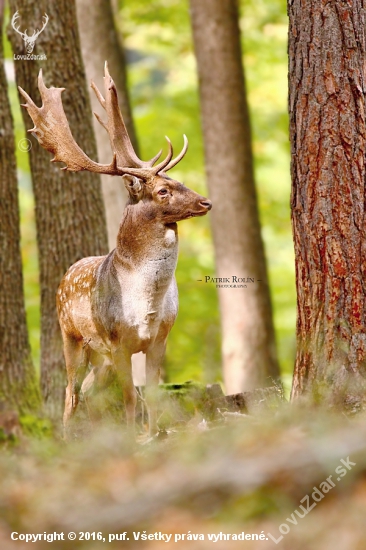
pixel 206 204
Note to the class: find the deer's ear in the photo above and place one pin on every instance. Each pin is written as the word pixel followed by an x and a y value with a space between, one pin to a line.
pixel 133 185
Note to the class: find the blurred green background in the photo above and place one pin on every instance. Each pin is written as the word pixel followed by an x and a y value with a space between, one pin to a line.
pixel 164 95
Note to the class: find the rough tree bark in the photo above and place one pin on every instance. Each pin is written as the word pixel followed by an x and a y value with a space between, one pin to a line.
pixel 70 214
pixel 327 125
pixel 18 385
pixel 100 43
pixel 248 348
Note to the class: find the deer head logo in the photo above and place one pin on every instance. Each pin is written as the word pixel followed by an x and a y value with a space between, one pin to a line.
pixel 29 40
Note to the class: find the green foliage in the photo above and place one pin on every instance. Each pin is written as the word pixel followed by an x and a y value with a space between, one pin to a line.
pixel 30 262
pixel 6 44
pixel 36 427
pixel 7 439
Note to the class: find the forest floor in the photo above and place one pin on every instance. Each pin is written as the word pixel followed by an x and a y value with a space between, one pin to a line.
pixel 293 476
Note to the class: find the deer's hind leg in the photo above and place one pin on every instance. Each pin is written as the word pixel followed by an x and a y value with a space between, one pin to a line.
pixel 94 383
pixel 76 358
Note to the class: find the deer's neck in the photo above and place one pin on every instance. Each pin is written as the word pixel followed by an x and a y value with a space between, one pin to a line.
pixel 144 240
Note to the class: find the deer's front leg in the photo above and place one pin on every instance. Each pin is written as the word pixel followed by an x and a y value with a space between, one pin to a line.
pixel 154 358
pixel 123 368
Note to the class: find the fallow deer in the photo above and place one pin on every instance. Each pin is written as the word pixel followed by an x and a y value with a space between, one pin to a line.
pixel 111 307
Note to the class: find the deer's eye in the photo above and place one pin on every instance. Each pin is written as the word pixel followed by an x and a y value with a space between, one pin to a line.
pixel 162 191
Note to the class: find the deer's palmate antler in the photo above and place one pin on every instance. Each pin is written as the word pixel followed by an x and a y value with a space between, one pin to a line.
pixel 111 307
pixel 51 125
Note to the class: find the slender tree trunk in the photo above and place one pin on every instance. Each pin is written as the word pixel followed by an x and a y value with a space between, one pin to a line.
pixel 327 125
pixel 100 43
pixel 248 349
pixel 70 215
pixel 18 385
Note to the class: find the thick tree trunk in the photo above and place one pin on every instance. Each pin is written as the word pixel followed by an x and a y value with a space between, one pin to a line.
pixel 18 385
pixel 99 43
pixel 327 125
pixel 70 215
pixel 248 349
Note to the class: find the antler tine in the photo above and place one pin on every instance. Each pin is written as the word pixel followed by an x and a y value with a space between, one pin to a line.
pixel 177 159
pixel 160 167
pixel 101 122
pixel 100 98
pixel 43 88
pixel 152 161
pixel 29 100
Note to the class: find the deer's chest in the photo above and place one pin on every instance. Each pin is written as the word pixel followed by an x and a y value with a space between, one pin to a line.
pixel 142 300
pixel 145 291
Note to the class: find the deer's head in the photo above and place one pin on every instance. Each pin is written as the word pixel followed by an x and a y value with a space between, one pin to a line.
pixel 29 40
pixel 168 200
